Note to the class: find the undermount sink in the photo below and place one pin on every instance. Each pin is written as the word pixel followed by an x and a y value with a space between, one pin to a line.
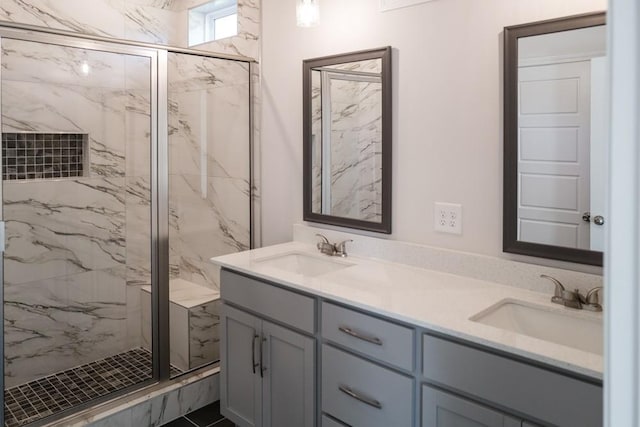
pixel 577 329
pixel 304 264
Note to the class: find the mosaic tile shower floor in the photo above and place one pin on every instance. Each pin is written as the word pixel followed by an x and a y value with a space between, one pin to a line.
pixel 46 396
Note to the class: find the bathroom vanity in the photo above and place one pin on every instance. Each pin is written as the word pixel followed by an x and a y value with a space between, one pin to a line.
pixel 311 340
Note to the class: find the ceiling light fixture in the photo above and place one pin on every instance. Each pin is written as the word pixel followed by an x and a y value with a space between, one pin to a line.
pixel 307 13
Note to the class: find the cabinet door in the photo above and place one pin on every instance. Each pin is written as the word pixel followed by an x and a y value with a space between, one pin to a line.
pixel 288 387
pixel 440 409
pixel 240 384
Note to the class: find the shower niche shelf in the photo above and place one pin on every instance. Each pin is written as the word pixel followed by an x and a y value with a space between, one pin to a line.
pixel 35 155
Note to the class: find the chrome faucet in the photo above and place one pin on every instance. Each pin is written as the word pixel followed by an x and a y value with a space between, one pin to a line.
pixel 574 299
pixel 325 246
pixel 341 248
pixel 332 249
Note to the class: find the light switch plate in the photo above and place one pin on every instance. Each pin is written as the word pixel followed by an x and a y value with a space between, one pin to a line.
pixel 447 217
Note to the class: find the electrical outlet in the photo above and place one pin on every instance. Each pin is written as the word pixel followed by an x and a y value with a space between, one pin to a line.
pixel 447 218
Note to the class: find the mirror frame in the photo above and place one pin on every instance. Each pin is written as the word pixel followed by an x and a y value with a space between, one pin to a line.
pixel 384 54
pixel 510 242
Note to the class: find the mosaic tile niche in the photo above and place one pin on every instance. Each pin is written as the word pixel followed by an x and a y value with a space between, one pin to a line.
pixel 43 155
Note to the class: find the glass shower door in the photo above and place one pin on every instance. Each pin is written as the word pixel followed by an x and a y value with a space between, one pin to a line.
pixel 209 195
pixel 76 200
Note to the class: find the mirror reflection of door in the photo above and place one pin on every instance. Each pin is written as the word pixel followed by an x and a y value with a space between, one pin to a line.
pixel 561 137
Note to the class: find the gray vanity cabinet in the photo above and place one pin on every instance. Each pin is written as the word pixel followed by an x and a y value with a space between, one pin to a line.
pixel 288 388
pixel 267 376
pixel 240 385
pixel 441 409
pixel 534 391
pixel 293 359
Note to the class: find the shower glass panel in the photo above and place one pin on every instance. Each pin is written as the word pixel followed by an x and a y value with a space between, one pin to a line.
pixel 209 195
pixel 76 199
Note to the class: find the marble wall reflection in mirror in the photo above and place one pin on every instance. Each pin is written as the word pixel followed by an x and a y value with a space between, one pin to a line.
pixel 345 139
pixel 559 136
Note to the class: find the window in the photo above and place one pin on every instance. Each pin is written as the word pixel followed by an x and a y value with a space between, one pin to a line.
pixel 213 21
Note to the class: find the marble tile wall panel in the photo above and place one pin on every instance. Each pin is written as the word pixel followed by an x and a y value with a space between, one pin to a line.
pixel 55 228
pixel 37 62
pixel 194 73
pixel 154 21
pixel 57 323
pixel 210 133
pixel 209 224
pixel 103 18
pixel 209 164
pixel 204 335
pixel 40 107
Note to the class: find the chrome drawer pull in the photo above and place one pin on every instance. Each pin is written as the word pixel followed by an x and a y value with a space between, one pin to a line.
pixel 349 331
pixel 364 399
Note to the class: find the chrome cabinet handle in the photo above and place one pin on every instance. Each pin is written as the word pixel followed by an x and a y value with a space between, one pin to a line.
pixel 349 331
pixel 262 368
pixel 254 365
pixel 364 399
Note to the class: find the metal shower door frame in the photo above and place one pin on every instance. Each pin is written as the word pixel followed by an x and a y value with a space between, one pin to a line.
pixel 158 55
pixel 159 191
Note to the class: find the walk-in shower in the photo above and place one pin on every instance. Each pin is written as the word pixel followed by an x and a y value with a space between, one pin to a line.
pixel 125 167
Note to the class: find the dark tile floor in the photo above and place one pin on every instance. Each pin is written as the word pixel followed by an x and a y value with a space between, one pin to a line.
pixel 209 416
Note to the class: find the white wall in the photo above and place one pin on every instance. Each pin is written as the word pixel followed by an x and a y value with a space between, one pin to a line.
pixel 447 107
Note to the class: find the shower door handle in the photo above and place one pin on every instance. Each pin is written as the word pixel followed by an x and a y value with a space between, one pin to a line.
pixel 2 236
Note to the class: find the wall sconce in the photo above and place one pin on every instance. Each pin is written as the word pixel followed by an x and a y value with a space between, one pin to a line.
pixel 307 13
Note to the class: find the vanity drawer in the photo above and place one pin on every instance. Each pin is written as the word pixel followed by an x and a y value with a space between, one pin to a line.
pixel 543 394
pixel 374 337
pixel 364 394
pixel 270 301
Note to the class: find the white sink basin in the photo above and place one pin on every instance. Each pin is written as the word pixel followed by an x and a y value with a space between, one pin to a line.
pixel 578 329
pixel 304 264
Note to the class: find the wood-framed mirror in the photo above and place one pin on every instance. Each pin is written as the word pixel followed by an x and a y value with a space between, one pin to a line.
pixel 347 140
pixel 555 136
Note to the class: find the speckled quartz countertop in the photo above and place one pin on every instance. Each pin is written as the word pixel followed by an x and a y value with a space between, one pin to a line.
pixel 433 300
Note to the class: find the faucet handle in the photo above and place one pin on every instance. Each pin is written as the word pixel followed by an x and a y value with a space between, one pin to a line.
pixel 341 248
pixel 325 240
pixel 593 300
pixel 593 296
pixel 558 294
pixel 325 246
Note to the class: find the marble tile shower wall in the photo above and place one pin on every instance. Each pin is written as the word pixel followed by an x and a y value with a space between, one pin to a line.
pixel 67 261
pixel 152 21
pixel 208 164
